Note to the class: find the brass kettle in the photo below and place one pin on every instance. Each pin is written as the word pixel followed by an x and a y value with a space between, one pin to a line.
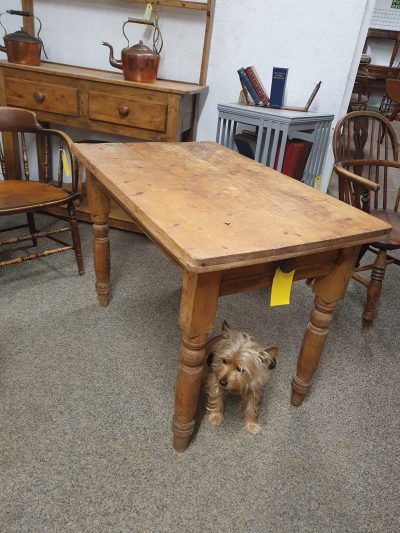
pixel 21 47
pixel 138 63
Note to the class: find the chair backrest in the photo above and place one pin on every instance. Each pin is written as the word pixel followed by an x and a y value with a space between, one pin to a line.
pixel 393 90
pixel 365 143
pixel 32 145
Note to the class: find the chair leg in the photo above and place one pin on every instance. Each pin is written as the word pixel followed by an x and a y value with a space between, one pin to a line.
pixel 374 289
pixel 76 240
pixel 32 226
pixel 363 251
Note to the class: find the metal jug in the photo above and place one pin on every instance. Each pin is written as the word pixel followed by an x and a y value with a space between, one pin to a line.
pixel 138 62
pixel 21 47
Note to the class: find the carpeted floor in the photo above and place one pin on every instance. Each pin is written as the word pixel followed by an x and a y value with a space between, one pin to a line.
pixel 87 395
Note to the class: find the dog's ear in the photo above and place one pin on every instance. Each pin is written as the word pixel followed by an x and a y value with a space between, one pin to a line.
pixel 225 328
pixel 268 356
pixel 210 359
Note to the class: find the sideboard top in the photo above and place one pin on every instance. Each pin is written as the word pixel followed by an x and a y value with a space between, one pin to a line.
pixel 105 76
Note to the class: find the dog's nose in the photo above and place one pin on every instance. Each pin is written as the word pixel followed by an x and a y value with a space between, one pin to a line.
pixel 223 382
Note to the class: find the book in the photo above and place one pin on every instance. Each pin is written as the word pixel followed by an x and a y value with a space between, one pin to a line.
pixel 303 161
pixel 257 84
pixel 295 158
pixel 246 93
pixel 278 85
pixel 249 86
pixel 246 143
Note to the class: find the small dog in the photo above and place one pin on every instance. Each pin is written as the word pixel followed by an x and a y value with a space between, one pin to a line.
pixel 238 366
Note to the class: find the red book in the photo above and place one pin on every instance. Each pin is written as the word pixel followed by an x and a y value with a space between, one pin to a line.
pixel 257 84
pixel 294 159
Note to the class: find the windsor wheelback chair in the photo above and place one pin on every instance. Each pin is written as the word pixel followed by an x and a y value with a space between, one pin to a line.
pixel 366 161
pixel 26 195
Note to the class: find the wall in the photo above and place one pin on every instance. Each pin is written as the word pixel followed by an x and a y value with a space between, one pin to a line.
pixel 315 40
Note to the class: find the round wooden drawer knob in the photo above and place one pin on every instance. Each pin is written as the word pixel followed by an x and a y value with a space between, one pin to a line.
pixel 123 110
pixel 39 96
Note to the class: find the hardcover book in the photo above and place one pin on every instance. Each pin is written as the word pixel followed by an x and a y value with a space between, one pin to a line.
pixel 249 86
pixel 279 77
pixel 295 158
pixel 246 143
pixel 257 84
pixel 246 94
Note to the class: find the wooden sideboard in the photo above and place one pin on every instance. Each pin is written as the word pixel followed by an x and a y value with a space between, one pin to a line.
pixel 101 101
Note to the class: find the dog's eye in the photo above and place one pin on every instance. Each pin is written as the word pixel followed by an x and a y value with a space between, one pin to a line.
pixel 224 361
pixel 240 369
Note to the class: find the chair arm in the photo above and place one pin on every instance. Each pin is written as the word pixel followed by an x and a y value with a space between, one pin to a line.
pixel 387 163
pixel 363 182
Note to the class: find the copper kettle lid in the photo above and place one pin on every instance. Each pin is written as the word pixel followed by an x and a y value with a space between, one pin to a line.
pixel 22 37
pixel 140 49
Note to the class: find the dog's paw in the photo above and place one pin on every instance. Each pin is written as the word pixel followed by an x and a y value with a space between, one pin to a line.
pixel 215 419
pixel 252 427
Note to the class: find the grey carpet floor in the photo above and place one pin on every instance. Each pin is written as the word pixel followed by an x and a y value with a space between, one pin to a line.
pixel 87 395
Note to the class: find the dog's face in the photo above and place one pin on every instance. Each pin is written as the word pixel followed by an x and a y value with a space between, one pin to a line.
pixel 238 362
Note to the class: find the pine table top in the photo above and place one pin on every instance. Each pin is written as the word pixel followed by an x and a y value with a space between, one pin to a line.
pixel 210 208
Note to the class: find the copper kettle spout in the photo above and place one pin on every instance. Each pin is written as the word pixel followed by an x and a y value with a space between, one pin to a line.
pixel 3 48
pixel 114 62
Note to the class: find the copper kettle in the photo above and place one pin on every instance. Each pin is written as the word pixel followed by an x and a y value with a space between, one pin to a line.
pixel 22 47
pixel 139 63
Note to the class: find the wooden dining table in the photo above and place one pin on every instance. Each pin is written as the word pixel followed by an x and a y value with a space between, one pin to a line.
pixel 227 223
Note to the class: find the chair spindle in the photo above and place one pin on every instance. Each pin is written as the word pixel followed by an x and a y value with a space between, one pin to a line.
pixel 25 156
pixel 60 164
pixel 3 162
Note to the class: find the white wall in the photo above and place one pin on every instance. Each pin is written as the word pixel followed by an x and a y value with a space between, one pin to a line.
pixel 316 40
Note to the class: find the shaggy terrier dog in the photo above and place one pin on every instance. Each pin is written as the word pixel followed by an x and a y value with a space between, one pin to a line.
pixel 237 365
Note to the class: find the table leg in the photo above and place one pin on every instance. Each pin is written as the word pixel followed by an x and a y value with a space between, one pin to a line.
pixel 328 291
pixel 99 205
pixel 196 316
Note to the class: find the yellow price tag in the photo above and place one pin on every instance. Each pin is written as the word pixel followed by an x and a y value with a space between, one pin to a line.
pixel 281 287
pixel 317 182
pixel 148 12
pixel 65 163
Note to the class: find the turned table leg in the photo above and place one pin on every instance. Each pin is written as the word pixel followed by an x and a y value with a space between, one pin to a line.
pixel 99 205
pixel 196 316
pixel 328 291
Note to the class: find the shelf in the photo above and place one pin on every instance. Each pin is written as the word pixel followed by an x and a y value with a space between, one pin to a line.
pixel 198 6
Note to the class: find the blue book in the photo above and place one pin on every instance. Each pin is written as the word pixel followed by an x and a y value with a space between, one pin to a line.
pixel 249 86
pixel 279 77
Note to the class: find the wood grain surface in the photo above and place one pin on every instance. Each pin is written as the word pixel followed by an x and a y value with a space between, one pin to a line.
pixel 213 209
pixel 47 67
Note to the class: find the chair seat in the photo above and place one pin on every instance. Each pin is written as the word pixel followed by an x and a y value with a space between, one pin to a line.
pixel 21 195
pixel 392 241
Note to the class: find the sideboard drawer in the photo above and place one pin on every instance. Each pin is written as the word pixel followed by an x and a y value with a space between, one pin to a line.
pixel 136 112
pixel 42 96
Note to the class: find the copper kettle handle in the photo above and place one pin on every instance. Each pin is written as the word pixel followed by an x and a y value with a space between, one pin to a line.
pixel 39 96
pixel 123 110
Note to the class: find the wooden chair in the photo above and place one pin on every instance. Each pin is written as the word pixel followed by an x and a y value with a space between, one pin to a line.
pixel 366 161
pixel 45 191
pixel 393 93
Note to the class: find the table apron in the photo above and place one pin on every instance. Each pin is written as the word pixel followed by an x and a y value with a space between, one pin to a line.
pixel 261 275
